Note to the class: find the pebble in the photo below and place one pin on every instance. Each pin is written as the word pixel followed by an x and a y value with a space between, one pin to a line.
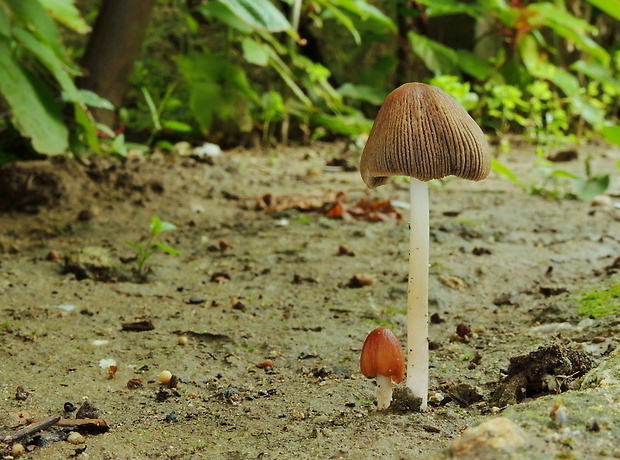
pixel 76 438
pixel 18 449
pixel 496 438
pixel 182 340
pixel 165 377
pixel 196 300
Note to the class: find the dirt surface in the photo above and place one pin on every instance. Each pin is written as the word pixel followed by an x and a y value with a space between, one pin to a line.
pixel 275 303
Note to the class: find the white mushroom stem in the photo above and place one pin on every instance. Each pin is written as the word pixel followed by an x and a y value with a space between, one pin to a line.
pixel 384 392
pixel 417 301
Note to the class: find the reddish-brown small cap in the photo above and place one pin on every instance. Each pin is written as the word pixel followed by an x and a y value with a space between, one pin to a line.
pixel 383 355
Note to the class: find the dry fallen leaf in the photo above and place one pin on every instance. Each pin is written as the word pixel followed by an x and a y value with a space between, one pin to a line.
pixel 453 282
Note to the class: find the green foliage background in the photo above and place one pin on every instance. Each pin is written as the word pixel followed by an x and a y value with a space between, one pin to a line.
pixel 233 71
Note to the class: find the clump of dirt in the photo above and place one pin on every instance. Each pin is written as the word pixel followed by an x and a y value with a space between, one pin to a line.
pixel 550 369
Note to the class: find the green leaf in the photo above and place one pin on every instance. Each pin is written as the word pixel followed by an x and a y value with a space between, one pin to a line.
pixel 611 7
pixel 366 93
pixel 360 8
pixel 168 249
pixel 4 23
pixel 258 14
pixel 612 134
pixel 344 19
pixel 508 173
pixel 92 99
pixel 49 58
pixel 178 126
pixel 254 52
pixel 167 226
pixel 438 58
pixel 348 125
pixel 587 189
pixel 446 7
pixel 32 15
pixel 221 12
pixel 597 71
pixel 474 65
pixel 34 109
pixel 65 12
pixel 89 127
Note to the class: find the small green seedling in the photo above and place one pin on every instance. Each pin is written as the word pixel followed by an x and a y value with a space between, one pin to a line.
pixel 151 246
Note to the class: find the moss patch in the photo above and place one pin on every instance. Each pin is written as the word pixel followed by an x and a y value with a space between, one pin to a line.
pixel 601 301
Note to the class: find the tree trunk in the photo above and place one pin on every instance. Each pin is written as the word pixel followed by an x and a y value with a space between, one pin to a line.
pixel 112 48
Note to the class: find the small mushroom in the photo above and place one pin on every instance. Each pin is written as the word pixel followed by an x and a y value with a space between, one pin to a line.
pixel 382 357
pixel 422 132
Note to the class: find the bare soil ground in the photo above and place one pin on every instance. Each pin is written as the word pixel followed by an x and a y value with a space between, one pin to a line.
pixel 275 298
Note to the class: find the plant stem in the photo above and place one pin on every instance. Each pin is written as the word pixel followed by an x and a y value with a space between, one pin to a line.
pixel 417 301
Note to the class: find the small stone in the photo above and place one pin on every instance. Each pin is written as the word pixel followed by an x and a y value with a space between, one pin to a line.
pixel 463 330
pixel 76 438
pixel 134 384
pixel 87 410
pixel 165 377
pixel 196 300
pixel 183 340
pixel 496 438
pixel 18 449
pixel 69 407
pixel 21 394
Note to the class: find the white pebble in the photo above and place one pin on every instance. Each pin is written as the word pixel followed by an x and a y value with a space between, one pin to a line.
pixel 18 449
pixel 75 438
pixel 602 200
pixel 106 363
pixel 165 377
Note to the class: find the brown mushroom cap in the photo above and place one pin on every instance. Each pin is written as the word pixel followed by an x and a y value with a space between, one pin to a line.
pixel 422 132
pixel 382 355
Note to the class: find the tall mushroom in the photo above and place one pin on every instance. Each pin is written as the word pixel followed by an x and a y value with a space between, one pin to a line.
pixel 422 132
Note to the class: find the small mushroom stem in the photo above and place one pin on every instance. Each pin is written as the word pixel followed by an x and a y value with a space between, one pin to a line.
pixel 417 301
pixel 384 392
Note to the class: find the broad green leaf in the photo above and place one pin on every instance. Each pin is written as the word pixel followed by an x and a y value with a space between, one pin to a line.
pixel 612 134
pixel 33 16
pixel 547 13
pixel 438 58
pixel 344 19
pixel 35 111
pixel 254 52
pixel 65 12
pixel 258 14
pixel 222 13
pixel 611 7
pixel 49 58
pixel 362 9
pixel 597 71
pixel 4 23
pixel 585 109
pixel 567 82
pixel 366 93
pixel 446 7
pixel 474 65
pixel 587 189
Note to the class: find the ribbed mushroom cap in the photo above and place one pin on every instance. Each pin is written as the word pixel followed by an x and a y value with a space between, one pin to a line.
pixel 382 355
pixel 422 132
